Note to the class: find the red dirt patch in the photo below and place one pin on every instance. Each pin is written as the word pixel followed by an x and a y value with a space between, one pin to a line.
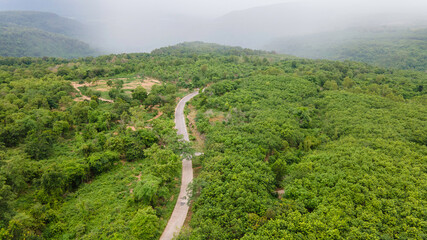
pixel 131 127
pixel 159 114
pixel 280 191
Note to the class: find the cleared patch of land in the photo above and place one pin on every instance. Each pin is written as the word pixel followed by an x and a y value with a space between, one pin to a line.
pixel 128 84
pixel 103 86
pixel 83 97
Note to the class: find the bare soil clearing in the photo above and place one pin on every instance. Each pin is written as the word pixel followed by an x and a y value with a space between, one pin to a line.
pixel 102 86
pixel 147 83
pixel 129 84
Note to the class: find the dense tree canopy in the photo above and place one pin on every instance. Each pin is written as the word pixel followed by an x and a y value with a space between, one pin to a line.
pixel 345 141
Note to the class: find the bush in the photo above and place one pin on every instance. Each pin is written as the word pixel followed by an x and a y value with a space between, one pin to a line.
pixel 99 162
pixel 145 224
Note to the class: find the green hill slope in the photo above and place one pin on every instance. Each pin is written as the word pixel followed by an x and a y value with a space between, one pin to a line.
pixel 37 34
pixel 45 21
pixel 18 41
pixel 197 47
pixel 387 47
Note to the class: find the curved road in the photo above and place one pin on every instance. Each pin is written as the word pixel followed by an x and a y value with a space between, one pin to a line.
pixel 181 207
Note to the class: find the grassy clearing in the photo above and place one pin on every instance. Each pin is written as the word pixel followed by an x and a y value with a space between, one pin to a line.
pixel 129 83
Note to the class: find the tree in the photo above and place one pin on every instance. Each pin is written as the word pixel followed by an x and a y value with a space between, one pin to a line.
pixel 110 83
pixel 100 162
pixel 279 170
pixel 147 190
pixel 348 83
pixel 119 84
pixel 6 196
pixel 53 182
pixel 164 163
pixel 114 93
pixel 152 100
pixel 80 112
pixel 60 128
pixel 204 69
pixel 330 85
pixel 139 94
pixel 39 145
pixel 145 224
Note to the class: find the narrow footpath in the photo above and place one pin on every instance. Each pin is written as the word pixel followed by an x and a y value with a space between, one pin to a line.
pixel 180 211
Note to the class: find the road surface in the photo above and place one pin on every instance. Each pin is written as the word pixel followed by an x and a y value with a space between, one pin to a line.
pixel 181 207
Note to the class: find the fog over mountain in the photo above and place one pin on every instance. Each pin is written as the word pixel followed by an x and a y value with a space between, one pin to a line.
pixel 135 26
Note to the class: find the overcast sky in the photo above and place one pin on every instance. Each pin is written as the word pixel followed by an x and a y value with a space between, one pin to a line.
pixel 208 8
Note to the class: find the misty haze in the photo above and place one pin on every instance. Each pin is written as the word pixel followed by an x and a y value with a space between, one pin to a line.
pixel 202 119
pixel 141 26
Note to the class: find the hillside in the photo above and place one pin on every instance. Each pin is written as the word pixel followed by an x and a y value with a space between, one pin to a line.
pixel 197 48
pixel 394 47
pixel 36 34
pixel 293 148
pixel 256 27
pixel 17 41
pixel 45 21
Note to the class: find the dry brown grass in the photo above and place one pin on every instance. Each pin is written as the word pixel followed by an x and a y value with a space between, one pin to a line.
pixel 102 86
pixel 147 83
pixel 218 118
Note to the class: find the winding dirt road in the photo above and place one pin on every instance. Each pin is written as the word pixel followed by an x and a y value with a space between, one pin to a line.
pixel 181 207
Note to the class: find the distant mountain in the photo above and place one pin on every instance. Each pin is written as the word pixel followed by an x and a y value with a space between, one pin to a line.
pixel 18 41
pixel 37 34
pixel 395 47
pixel 255 27
pixel 45 21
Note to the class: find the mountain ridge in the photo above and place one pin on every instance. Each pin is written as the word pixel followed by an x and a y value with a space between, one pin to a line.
pixel 39 34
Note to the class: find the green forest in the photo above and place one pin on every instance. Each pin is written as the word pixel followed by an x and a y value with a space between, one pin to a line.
pixel 39 34
pixel 293 148
pixel 45 21
pixel 390 47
